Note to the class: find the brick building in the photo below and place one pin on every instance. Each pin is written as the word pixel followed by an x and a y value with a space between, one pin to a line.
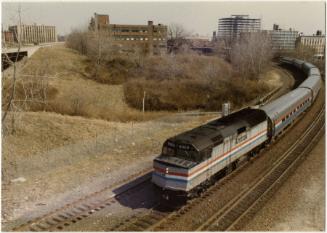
pixel 34 34
pixel 150 38
pixel 7 37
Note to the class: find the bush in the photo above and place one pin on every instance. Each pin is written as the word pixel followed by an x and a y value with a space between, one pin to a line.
pixel 191 94
pixel 176 82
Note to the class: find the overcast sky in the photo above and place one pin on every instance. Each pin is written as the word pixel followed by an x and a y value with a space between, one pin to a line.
pixel 197 17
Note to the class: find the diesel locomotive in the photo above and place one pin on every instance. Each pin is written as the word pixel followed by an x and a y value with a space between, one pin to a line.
pixel 192 159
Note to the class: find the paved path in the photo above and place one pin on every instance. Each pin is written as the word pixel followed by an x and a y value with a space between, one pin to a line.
pixel 30 49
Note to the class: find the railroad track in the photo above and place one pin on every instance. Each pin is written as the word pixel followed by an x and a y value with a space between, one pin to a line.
pixel 84 207
pixel 156 218
pixel 234 212
pixel 243 206
pixel 160 215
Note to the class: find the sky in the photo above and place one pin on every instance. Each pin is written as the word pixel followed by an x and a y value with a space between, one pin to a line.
pixel 196 17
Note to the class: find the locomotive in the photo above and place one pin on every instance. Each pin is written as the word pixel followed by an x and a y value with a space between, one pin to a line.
pixel 190 160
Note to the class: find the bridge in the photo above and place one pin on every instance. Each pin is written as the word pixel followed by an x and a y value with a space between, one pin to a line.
pixel 25 51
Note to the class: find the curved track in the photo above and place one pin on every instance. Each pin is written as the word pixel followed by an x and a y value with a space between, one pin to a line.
pixel 237 210
pixel 156 218
pixel 231 214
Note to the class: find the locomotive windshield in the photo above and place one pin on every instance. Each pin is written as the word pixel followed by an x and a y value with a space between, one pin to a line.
pixel 183 151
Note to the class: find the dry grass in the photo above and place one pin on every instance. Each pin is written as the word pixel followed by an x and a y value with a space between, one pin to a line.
pixel 182 82
pixel 70 90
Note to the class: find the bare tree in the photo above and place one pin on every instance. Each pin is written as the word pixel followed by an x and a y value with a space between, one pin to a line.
pixel 95 44
pixel 176 31
pixel 10 103
pixel 176 36
pixel 99 48
pixel 251 54
pixel 77 40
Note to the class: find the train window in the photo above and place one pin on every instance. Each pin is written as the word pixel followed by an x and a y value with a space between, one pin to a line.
pixel 168 151
pixel 171 144
pixel 241 130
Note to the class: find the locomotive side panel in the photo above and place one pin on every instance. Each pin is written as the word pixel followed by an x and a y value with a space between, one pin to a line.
pixel 232 149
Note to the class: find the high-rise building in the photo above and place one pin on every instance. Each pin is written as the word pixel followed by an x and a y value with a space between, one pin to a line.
pixel 316 42
pixel 230 28
pixel 282 39
pixel 152 38
pixel 29 34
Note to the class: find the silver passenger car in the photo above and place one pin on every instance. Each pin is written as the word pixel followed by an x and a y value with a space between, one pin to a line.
pixel 298 63
pixel 312 83
pixel 285 109
pixel 286 60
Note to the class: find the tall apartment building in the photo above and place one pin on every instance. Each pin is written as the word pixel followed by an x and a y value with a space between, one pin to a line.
pixel 230 28
pixel 317 42
pixel 282 39
pixel 34 34
pixel 152 38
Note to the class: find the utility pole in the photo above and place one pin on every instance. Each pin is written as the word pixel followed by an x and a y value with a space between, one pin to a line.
pixel 143 105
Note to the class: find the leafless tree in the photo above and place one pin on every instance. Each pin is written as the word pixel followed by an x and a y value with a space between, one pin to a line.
pixel 77 40
pixel 176 31
pixel 99 48
pixel 95 44
pixel 176 36
pixel 251 54
pixel 9 105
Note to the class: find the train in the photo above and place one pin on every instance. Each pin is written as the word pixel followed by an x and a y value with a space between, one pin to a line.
pixel 190 161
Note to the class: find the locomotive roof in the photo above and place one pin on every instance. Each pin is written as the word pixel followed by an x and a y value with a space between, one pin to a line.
pixel 215 131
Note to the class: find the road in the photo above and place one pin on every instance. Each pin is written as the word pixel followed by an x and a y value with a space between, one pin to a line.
pixel 30 49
